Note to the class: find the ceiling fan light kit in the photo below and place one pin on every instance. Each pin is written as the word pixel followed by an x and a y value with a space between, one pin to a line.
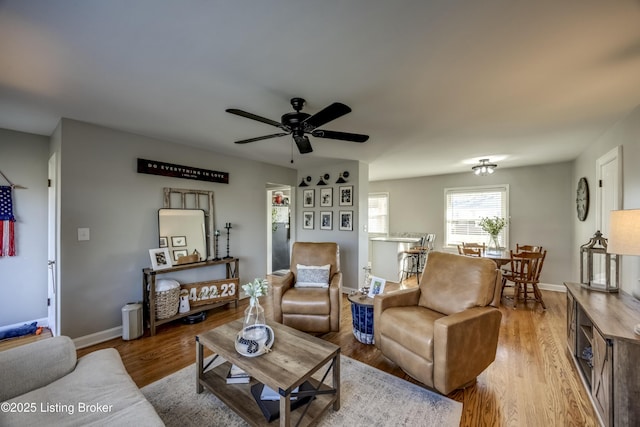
pixel 484 168
pixel 299 124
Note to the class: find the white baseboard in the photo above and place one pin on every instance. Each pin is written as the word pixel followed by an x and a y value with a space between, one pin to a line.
pixel 98 337
pixel 551 287
pixel 41 322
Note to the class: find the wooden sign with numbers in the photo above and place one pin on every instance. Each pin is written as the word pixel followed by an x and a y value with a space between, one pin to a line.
pixel 211 291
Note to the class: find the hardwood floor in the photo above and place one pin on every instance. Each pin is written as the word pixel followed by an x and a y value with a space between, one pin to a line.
pixel 531 383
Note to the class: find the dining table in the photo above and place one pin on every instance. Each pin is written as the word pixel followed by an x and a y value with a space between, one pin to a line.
pixel 499 256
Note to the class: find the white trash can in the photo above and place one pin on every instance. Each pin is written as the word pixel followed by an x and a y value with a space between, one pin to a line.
pixel 132 321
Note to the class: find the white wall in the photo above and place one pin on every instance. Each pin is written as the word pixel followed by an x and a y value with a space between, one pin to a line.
pixel 23 278
pixel 101 189
pixel 625 133
pixel 540 208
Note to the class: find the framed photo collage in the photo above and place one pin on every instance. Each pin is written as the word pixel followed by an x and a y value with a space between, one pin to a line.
pixel 325 199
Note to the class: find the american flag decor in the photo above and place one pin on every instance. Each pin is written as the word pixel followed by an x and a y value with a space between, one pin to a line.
pixel 7 223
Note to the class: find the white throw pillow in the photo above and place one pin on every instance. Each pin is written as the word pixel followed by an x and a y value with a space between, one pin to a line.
pixel 313 276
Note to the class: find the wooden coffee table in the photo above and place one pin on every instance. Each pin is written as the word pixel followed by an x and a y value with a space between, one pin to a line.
pixel 293 359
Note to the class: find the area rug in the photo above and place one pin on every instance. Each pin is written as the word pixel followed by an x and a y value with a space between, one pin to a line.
pixel 369 397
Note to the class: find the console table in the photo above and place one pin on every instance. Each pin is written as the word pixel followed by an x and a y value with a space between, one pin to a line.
pixel 228 295
pixel 606 351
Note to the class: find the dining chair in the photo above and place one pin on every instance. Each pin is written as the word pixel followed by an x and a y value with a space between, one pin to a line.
pixel 477 252
pixel 528 248
pixel 473 249
pixel 506 269
pixel 525 272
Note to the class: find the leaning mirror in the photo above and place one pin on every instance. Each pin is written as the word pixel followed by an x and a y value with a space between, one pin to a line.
pixel 183 232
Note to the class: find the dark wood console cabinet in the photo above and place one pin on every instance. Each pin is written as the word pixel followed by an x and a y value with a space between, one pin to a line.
pixel 149 291
pixel 606 351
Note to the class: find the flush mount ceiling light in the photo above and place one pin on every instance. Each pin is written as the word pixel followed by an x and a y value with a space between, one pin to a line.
pixel 484 168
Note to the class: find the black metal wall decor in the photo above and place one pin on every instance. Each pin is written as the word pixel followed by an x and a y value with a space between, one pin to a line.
pixel 154 167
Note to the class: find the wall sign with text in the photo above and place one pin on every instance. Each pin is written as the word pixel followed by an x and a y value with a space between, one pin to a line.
pixel 154 167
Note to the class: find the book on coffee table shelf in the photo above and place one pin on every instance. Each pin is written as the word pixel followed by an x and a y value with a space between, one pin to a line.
pixel 270 407
pixel 237 376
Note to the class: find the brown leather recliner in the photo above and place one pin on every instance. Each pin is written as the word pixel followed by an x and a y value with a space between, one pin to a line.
pixel 309 309
pixel 443 333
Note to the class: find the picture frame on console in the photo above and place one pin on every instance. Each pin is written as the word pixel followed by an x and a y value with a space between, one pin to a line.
pixel 160 258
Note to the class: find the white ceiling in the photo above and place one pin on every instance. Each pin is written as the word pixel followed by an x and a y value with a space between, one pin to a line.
pixel 436 84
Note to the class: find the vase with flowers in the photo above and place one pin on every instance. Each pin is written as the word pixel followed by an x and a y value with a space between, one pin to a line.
pixel 254 320
pixel 493 226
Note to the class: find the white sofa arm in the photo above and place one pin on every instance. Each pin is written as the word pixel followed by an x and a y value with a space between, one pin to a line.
pixel 35 365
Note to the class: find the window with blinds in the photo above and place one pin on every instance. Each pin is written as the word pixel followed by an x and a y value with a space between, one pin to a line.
pixel 379 213
pixel 466 206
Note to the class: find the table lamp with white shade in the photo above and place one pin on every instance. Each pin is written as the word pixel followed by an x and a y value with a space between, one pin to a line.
pixel 624 236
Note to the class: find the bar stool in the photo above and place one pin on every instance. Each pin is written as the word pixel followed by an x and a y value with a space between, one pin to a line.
pixel 410 263
pixel 412 260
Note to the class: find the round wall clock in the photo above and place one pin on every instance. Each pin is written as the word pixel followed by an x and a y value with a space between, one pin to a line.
pixel 582 199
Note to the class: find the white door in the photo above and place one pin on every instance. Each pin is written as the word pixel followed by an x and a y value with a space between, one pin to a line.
pixel 608 188
pixel 608 197
pixel 52 244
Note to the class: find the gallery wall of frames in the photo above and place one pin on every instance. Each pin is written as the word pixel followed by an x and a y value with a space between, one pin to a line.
pixel 327 206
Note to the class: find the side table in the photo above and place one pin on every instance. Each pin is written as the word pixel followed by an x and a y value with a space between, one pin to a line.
pixel 362 315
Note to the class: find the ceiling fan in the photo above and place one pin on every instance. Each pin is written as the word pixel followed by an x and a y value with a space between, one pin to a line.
pixel 298 124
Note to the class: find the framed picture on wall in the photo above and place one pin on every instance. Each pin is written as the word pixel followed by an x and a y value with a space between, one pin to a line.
pixel 346 220
pixel 307 220
pixel 346 195
pixel 326 197
pixel 164 242
pixel 326 220
pixel 179 253
pixel 308 197
pixel 160 258
pixel 178 241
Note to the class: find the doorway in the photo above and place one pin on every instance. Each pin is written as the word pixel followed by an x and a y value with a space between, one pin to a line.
pixel 279 214
pixel 52 244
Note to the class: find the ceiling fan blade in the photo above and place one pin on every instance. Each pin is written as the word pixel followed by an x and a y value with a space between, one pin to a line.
pixel 260 138
pixel 329 113
pixel 345 136
pixel 304 146
pixel 254 117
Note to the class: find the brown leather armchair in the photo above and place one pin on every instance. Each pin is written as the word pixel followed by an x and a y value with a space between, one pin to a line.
pixel 443 333
pixel 309 309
